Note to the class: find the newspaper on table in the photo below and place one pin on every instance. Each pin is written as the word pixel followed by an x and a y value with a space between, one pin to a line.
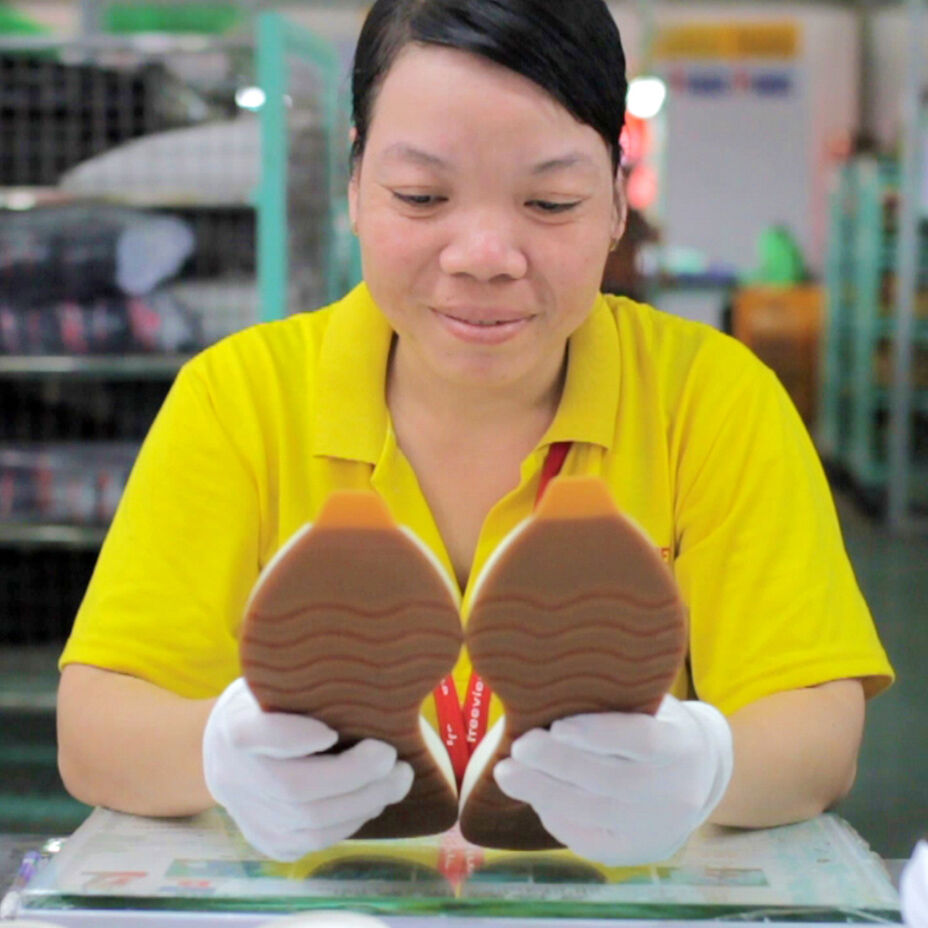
pixel 820 870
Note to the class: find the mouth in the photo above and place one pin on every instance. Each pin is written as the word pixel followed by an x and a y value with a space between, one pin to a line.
pixel 484 317
pixel 483 326
pixel 482 323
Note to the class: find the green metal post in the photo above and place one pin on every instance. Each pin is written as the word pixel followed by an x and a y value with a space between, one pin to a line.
pixel 273 265
pixel 831 384
pixel 870 248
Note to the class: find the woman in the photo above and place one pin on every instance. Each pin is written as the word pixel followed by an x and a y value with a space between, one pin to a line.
pixel 486 194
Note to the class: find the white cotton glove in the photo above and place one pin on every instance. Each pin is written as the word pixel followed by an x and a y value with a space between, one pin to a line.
pixel 623 788
pixel 286 798
pixel 913 888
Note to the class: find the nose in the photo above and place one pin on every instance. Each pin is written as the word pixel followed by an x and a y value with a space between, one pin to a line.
pixel 484 246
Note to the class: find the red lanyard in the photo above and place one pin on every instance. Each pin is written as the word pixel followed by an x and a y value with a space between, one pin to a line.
pixel 462 727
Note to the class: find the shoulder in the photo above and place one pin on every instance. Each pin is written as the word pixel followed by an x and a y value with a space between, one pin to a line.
pixel 262 367
pixel 252 384
pixel 681 355
pixel 276 348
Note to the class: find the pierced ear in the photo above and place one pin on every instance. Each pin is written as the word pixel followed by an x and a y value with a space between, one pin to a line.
pixel 353 192
pixel 619 211
pixel 354 163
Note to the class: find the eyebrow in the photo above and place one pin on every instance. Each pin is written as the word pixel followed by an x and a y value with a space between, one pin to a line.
pixel 406 152
pixel 573 159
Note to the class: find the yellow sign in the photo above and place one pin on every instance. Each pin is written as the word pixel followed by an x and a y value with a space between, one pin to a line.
pixel 728 41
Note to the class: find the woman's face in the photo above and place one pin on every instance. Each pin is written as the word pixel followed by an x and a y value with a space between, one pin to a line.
pixel 485 213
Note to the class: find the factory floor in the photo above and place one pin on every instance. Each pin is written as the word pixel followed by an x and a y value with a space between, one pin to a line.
pixel 889 802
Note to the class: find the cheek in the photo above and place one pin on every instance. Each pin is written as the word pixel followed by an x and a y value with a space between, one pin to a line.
pixel 391 243
pixel 396 261
pixel 576 261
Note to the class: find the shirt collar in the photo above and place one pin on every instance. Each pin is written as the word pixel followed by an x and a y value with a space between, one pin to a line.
pixel 590 402
pixel 351 406
pixel 351 413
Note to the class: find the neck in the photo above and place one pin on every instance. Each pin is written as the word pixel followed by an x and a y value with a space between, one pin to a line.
pixel 443 407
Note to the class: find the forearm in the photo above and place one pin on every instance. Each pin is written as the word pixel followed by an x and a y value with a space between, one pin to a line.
pixel 795 755
pixel 129 745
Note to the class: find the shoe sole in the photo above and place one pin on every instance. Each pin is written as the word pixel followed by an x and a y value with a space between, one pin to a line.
pixel 354 624
pixel 576 613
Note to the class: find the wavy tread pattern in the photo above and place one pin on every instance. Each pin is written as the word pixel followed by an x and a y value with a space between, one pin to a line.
pixel 577 615
pixel 353 625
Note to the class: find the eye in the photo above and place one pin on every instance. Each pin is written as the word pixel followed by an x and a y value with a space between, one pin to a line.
pixel 420 200
pixel 551 208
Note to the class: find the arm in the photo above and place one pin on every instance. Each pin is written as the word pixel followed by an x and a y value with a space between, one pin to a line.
pixel 130 745
pixel 795 754
pixel 167 620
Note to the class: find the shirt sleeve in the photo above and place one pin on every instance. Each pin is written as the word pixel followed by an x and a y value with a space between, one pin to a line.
pixel 774 604
pixel 181 556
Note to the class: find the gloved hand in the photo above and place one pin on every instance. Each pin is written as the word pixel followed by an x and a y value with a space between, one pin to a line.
pixel 265 768
pixel 623 788
pixel 913 888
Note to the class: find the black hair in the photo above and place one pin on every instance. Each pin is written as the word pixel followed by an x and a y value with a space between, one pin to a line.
pixel 570 48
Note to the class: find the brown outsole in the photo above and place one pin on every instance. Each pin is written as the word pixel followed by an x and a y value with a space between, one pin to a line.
pixel 577 614
pixel 354 625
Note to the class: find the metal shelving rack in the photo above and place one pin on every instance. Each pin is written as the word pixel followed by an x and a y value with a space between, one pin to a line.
pixel 858 424
pixel 291 62
pixel 47 534
pixel 832 429
pixel 45 565
pixel 302 254
pixel 59 400
pixel 873 427
pixel 910 259
pixel 876 186
pixel 118 367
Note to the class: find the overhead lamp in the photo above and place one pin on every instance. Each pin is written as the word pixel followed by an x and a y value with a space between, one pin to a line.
pixel 646 96
pixel 250 98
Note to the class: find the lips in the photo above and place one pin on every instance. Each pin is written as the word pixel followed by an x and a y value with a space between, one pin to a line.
pixel 483 318
pixel 483 323
pixel 484 327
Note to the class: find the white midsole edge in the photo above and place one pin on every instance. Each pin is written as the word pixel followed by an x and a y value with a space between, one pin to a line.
pixel 490 563
pixel 305 529
pixel 432 558
pixel 436 748
pixel 517 530
pixel 278 556
pixel 480 758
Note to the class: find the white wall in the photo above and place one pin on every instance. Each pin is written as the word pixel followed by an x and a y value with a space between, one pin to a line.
pixel 737 162
pixel 889 56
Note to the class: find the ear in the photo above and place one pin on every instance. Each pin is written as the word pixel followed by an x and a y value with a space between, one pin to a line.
pixel 353 184
pixel 619 207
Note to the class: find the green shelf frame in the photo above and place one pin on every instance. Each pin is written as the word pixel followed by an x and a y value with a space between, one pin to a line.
pixel 831 435
pixel 861 250
pixel 280 44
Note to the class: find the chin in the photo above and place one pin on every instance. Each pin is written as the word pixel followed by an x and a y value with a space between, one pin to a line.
pixel 491 375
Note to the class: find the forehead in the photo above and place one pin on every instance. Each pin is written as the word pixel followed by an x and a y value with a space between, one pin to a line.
pixel 446 95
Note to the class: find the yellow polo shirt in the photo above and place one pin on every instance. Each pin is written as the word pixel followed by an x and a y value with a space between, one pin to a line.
pixel 696 439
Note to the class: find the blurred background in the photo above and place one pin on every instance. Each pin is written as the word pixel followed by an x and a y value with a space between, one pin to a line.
pixel 172 172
